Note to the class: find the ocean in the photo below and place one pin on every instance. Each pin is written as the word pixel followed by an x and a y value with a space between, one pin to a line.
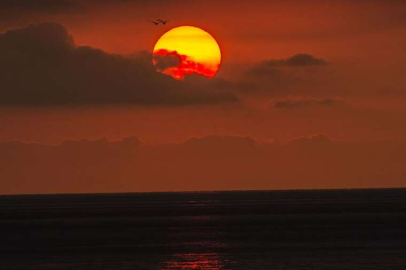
pixel 325 229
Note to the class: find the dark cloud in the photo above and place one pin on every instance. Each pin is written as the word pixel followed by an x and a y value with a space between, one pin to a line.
pixel 208 163
pixel 272 67
pixel 28 10
pixel 298 60
pixel 40 65
pixel 301 75
pixel 39 5
pixel 63 6
pixel 162 62
pixel 304 103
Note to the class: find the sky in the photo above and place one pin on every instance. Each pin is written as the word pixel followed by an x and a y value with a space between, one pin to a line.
pixel 310 94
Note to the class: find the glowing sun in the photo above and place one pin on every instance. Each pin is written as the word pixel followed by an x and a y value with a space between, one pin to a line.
pixel 187 50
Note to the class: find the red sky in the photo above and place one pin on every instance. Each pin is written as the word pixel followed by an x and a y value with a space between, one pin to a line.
pixel 291 69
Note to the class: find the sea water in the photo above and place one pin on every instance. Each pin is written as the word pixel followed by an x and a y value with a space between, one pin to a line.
pixel 327 229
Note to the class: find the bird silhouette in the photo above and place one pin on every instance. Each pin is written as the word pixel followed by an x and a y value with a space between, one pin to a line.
pixel 156 23
pixel 163 22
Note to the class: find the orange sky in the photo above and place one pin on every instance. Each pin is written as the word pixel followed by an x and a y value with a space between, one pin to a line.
pixel 248 30
pixel 290 69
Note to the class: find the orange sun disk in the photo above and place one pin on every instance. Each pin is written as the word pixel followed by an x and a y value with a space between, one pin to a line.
pixel 187 50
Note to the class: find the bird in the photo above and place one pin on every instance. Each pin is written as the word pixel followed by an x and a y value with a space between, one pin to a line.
pixel 156 23
pixel 163 21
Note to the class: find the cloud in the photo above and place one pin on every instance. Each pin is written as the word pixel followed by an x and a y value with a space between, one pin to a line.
pixel 298 60
pixel 165 61
pixel 179 65
pixel 300 75
pixel 41 66
pixel 225 143
pixel 30 10
pixel 9 8
pixel 315 139
pixel 272 67
pixel 207 163
pixel 305 103
pixel 73 165
pixel 39 5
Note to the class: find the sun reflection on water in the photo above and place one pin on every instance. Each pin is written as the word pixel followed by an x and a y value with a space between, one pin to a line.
pixel 194 261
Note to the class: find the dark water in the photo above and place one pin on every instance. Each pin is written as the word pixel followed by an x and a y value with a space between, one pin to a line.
pixel 353 229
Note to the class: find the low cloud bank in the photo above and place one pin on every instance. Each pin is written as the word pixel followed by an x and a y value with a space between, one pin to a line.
pixel 305 103
pixel 208 163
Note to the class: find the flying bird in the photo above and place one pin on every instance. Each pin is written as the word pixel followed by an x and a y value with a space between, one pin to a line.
pixel 163 22
pixel 156 23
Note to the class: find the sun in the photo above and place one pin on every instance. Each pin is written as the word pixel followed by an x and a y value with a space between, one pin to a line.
pixel 187 50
